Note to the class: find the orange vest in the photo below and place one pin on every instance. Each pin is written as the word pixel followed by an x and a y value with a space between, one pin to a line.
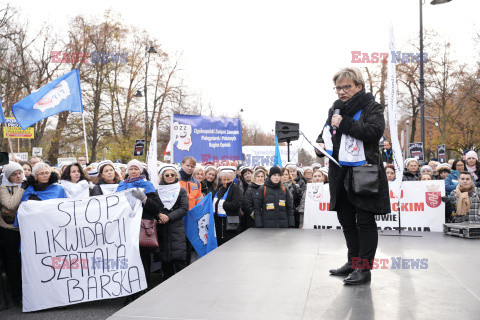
pixel 194 192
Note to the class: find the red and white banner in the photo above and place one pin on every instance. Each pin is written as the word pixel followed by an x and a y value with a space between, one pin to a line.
pixel 420 205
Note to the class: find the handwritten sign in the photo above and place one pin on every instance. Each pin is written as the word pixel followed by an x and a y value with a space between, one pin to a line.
pixel 78 250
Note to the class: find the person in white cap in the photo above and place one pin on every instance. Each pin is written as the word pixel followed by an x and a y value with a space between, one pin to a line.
pixel 297 177
pixel 74 182
pixel 108 181
pixel 144 191
pixel 227 203
pixel 172 251
pixel 11 193
pixel 411 174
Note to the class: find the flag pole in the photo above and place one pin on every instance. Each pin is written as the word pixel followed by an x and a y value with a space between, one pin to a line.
pixel 9 141
pixel 85 136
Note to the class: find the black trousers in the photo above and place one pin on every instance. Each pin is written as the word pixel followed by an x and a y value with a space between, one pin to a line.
pixel 359 228
pixel 170 268
pixel 10 256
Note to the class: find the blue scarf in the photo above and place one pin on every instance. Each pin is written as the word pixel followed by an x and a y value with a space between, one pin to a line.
pixel 147 185
pixel 53 191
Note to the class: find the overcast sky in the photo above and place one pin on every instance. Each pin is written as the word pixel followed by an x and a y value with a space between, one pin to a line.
pixel 273 59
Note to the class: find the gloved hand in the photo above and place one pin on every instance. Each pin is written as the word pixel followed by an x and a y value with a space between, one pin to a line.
pixel 139 194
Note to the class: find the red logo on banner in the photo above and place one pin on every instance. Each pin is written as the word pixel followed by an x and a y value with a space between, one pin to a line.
pixel 433 199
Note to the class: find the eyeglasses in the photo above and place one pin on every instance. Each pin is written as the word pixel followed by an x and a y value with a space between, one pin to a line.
pixel 345 88
pixel 46 173
pixel 172 175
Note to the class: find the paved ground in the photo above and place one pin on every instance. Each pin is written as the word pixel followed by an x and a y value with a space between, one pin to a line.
pixel 283 274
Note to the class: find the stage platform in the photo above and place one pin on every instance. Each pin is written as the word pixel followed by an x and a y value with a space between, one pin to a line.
pixel 283 274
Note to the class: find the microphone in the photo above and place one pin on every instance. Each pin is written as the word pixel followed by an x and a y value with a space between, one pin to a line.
pixel 337 108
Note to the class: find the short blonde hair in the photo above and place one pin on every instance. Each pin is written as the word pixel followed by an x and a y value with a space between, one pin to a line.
pixel 349 73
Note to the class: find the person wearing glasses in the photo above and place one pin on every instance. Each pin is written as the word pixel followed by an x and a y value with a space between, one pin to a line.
pixel 170 228
pixel 351 135
pixel 42 184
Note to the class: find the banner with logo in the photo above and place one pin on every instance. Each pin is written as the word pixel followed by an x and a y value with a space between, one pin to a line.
pixel 14 130
pixel 206 138
pixel 265 155
pixel 416 150
pixel 441 153
pixel 78 250
pixel 421 208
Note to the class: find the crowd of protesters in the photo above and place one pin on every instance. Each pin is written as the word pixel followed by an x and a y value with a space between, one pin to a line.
pixel 243 198
pixel 461 176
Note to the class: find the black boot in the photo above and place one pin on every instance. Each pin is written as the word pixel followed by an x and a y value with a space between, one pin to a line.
pixel 344 270
pixel 358 276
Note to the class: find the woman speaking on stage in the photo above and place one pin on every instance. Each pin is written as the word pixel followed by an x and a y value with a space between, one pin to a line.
pixel 359 188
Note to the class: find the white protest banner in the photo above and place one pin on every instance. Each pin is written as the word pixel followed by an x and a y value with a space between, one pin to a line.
pixel 23 156
pixel 78 250
pixel 420 204
pixel 265 155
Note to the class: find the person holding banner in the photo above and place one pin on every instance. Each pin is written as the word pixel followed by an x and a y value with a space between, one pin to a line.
pixel 227 203
pixel 172 251
pixel 145 192
pixel 108 181
pixel 11 193
pixel 351 135
pixel 74 182
pixel 42 184
pixel 273 204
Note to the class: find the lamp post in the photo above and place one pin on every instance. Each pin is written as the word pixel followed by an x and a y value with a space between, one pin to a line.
pixel 147 54
pixel 421 99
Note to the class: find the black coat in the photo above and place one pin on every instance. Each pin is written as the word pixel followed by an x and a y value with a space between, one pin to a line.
pixel 296 192
pixel 368 129
pixel 301 183
pixel 275 209
pixel 248 207
pixel 408 176
pixel 232 206
pixel 171 236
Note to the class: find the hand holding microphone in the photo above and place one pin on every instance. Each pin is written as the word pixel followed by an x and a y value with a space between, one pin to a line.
pixel 336 117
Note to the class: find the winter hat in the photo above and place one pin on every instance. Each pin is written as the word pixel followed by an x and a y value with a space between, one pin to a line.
pixel 324 170
pixel 10 168
pixel 443 167
pixel 103 164
pixel 245 169
pixel 408 160
pixel 274 170
pixel 471 154
pixel 135 163
pixel 165 167
pixel 316 165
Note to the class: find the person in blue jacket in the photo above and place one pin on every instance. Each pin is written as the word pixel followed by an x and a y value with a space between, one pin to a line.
pixel 451 181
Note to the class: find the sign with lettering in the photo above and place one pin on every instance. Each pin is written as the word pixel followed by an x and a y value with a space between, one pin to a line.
pixel 78 250
pixel 421 208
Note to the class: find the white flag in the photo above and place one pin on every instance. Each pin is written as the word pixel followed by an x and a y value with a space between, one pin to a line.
pixel 152 158
pixel 392 119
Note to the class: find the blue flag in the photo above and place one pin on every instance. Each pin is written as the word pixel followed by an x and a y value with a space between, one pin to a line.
pixel 2 115
pixel 200 226
pixel 277 160
pixel 62 94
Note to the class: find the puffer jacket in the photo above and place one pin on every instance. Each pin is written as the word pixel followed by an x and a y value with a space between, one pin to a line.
pixel 273 206
pixel 171 236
